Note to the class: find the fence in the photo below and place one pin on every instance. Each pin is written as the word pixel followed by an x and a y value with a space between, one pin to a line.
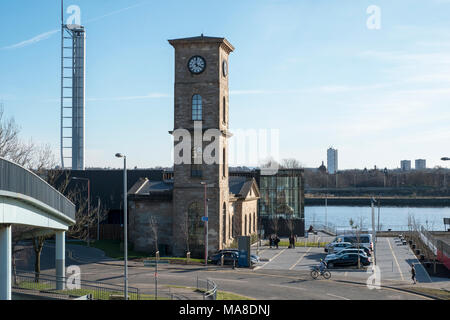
pixel 440 248
pixel 208 287
pixel 45 285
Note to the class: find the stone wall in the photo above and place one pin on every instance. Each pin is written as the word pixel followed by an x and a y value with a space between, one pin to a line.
pixel 140 232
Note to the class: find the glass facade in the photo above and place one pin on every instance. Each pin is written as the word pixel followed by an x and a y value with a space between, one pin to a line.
pixel 282 194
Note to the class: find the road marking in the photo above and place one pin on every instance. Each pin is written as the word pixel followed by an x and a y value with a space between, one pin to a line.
pixel 333 295
pixel 218 279
pixel 272 258
pixel 301 258
pixel 395 258
pixel 288 287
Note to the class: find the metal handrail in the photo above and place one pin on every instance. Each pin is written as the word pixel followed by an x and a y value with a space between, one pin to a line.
pixel 17 179
pixel 47 284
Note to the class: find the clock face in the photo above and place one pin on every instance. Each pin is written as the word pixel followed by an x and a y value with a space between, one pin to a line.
pixel 225 68
pixel 197 64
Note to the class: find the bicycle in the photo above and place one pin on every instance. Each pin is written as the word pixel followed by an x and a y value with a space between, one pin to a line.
pixel 316 272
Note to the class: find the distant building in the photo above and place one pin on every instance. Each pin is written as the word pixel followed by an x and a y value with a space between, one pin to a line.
pixel 322 168
pixel 405 165
pixel 332 160
pixel 421 164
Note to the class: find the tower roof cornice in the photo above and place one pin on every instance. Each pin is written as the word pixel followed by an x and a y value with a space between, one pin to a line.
pixel 224 43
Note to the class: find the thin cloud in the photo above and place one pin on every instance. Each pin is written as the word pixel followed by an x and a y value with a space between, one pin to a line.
pixel 48 34
pixel 36 39
pixel 127 98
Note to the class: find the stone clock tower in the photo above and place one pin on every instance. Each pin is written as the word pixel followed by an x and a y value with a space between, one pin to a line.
pixel 201 100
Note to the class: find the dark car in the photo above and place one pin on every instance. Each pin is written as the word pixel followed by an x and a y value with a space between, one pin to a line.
pixel 228 257
pixel 349 259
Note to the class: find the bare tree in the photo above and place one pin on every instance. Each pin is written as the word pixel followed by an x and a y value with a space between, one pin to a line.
pixel 153 223
pixel 291 163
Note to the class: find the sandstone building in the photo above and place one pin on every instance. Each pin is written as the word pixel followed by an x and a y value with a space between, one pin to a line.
pixel 169 211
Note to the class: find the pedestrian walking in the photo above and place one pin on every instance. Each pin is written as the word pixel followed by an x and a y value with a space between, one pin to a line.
pixel 292 241
pixel 413 273
pixel 277 240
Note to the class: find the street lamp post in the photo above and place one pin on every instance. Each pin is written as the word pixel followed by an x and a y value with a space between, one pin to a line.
pixel 204 183
pixel 374 232
pixel 125 224
pixel 88 204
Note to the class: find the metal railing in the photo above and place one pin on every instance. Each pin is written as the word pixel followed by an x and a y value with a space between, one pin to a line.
pixel 434 244
pixel 45 285
pixel 208 287
pixel 14 178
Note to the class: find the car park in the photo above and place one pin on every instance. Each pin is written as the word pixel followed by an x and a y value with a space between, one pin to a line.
pixel 348 259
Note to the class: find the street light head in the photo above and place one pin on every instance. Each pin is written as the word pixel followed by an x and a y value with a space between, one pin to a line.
pixel 445 159
pixel 119 155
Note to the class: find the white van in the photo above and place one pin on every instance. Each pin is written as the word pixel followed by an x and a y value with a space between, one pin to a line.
pixel 364 240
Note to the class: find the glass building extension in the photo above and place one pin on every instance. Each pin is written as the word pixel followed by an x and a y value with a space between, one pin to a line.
pixel 282 195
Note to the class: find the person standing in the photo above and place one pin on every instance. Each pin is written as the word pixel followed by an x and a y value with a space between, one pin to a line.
pixel 413 273
pixel 277 240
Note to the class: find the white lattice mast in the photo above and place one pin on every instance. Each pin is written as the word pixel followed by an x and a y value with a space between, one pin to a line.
pixel 73 62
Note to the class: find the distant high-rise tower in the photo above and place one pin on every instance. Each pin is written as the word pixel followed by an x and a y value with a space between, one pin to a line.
pixel 332 160
pixel 421 164
pixel 73 49
pixel 405 165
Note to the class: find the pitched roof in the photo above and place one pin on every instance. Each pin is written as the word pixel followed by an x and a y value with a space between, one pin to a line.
pixel 240 186
pixel 145 187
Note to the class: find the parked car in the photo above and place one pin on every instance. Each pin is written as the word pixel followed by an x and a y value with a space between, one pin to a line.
pixel 366 250
pixel 337 246
pixel 253 256
pixel 364 240
pixel 350 250
pixel 229 255
pixel 348 259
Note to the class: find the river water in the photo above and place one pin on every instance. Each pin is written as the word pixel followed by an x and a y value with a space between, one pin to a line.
pixel 395 218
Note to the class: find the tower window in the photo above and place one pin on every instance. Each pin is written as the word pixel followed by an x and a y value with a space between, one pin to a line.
pixel 224 168
pixel 224 106
pixel 197 107
pixel 196 169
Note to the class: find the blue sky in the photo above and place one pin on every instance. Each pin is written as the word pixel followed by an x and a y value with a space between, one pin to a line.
pixel 310 68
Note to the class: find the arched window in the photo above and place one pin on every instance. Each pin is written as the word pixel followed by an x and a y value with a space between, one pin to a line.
pixel 245 226
pixel 224 168
pixel 224 221
pixel 197 107
pixel 195 226
pixel 224 107
pixel 250 224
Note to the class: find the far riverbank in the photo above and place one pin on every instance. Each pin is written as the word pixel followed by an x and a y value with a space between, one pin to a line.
pixel 384 201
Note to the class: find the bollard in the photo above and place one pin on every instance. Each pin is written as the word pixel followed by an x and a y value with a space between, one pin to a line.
pixel 221 260
pixel 188 257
